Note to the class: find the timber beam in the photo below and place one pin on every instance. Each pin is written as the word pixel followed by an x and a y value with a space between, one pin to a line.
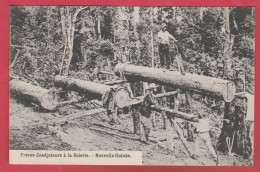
pixel 189 82
pixel 92 90
pixel 175 113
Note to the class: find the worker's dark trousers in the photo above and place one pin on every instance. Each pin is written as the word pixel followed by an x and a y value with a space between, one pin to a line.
pixel 164 55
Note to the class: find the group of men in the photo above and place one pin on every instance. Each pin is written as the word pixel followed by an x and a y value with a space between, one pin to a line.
pixel 202 127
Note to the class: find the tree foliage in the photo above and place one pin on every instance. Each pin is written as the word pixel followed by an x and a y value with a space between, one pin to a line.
pixel 50 40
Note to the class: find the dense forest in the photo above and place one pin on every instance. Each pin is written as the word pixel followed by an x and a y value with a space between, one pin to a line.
pixel 45 41
pixel 49 43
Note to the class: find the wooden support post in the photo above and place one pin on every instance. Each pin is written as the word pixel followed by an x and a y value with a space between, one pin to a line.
pixel 167 123
pixel 189 125
pixel 164 104
pixel 169 133
pixel 175 113
pixel 136 113
pixel 178 130
pixel 136 119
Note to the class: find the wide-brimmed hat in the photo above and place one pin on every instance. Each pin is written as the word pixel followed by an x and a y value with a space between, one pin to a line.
pixel 164 25
pixel 203 115
pixel 152 86
pixel 200 113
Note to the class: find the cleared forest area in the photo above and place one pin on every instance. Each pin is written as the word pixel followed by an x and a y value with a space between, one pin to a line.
pixel 67 61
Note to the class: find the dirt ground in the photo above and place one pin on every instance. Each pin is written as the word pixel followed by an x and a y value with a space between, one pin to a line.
pixel 30 130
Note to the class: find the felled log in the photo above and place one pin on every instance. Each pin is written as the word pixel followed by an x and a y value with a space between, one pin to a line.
pixel 29 93
pixel 91 89
pixel 175 113
pixel 189 82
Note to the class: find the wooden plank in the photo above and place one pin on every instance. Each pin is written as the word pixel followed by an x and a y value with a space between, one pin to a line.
pixel 133 137
pixel 76 116
pixel 138 100
pixel 114 82
pixel 175 113
pixel 108 73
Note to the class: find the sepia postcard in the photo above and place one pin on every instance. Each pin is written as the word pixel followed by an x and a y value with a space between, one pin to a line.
pixel 131 85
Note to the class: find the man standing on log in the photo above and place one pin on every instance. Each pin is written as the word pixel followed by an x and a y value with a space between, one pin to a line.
pixel 146 111
pixel 203 128
pixel 164 37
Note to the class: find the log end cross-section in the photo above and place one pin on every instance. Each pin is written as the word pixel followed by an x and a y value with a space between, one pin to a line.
pixel 224 89
pixel 92 90
pixel 29 93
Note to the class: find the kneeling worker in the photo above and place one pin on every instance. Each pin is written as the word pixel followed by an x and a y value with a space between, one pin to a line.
pixel 146 111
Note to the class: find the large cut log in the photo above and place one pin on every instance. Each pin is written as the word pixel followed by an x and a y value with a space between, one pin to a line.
pixel 191 82
pixel 175 113
pixel 33 94
pixel 91 89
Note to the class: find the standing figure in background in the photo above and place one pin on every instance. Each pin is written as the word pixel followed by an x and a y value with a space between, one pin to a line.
pixel 146 111
pixel 91 74
pixel 100 78
pixel 220 74
pixel 199 71
pixel 164 37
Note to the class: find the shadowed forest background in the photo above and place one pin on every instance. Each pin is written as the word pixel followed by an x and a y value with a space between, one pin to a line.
pixel 45 41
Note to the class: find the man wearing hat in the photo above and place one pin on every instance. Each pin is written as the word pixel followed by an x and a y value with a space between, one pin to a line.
pixel 146 111
pixel 164 37
pixel 202 130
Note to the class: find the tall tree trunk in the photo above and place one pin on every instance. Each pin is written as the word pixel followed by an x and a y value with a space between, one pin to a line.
pixel 99 26
pixel 229 38
pixel 136 20
pixel 122 32
pixel 155 14
pixel 151 34
pixel 201 13
pixel 68 29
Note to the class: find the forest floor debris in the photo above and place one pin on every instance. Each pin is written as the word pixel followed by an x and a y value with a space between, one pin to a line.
pixel 29 131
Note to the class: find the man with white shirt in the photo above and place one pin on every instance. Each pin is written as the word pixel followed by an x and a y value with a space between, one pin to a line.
pixel 164 37
pixel 203 128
